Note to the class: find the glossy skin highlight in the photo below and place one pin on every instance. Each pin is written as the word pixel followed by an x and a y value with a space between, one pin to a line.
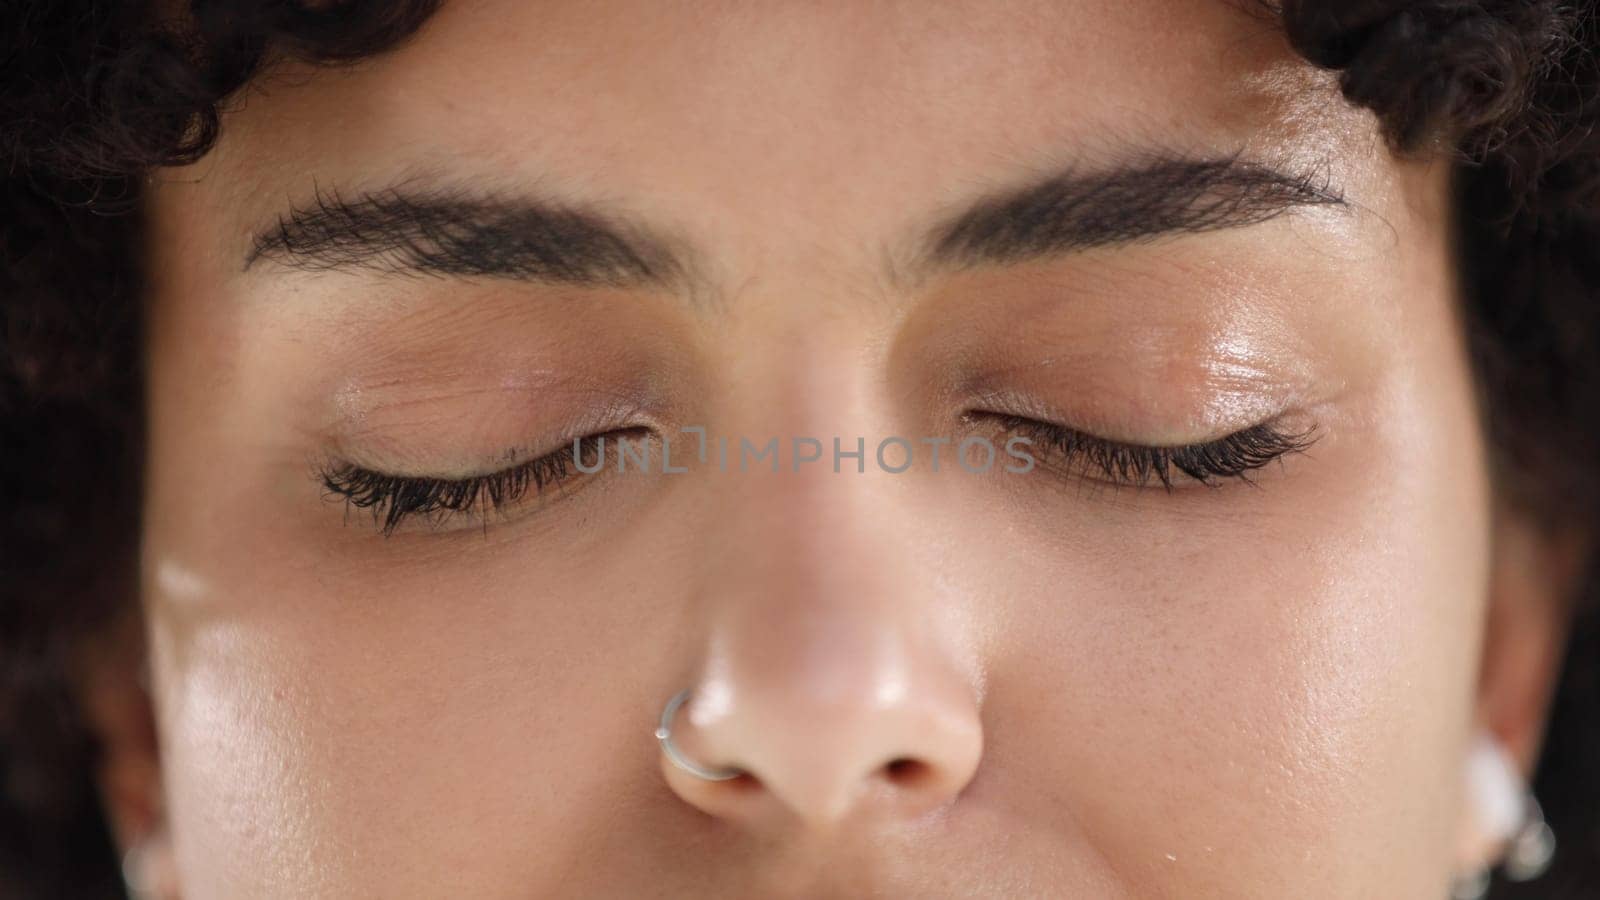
pixel 1257 690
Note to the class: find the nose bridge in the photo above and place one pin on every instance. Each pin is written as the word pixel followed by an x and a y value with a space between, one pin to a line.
pixel 819 551
pixel 804 508
pixel 817 598
pixel 811 573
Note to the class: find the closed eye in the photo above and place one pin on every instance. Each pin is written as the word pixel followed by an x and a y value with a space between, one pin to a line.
pixel 392 499
pixel 1234 456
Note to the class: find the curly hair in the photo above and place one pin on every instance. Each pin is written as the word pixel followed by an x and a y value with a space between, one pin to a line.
pixel 95 94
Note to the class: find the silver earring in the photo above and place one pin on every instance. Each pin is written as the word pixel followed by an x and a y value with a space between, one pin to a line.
pixel 136 872
pixel 1507 814
pixel 1531 850
pixel 147 866
pixel 1528 855
pixel 1472 886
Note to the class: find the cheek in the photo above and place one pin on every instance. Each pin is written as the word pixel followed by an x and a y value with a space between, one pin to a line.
pixel 1258 686
pixel 323 723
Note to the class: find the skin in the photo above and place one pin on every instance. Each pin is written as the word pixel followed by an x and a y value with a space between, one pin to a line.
pixel 1085 689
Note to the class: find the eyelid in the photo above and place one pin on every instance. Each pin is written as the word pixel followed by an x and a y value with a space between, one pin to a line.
pixel 406 427
pixel 395 499
pixel 457 448
pixel 1231 457
pixel 1125 420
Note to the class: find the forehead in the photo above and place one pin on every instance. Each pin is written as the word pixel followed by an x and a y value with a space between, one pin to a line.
pixel 784 116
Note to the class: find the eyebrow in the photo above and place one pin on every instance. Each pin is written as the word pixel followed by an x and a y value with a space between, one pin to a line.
pixel 453 233
pixel 1163 196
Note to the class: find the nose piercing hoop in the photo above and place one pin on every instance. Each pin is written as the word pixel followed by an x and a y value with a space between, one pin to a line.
pixel 664 735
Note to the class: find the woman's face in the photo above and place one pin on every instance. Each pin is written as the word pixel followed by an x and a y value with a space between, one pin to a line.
pixel 1115 229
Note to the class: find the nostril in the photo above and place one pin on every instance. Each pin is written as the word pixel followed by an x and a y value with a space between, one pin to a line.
pixel 903 771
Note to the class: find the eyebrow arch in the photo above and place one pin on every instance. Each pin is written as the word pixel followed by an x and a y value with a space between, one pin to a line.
pixel 451 233
pixel 1163 196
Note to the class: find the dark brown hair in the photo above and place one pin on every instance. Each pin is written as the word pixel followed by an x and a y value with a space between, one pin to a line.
pixel 95 94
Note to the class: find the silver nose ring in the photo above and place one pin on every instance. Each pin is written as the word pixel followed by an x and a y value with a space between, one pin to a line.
pixel 664 735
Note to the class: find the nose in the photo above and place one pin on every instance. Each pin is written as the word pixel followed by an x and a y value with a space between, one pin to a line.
pixel 833 679
pixel 889 748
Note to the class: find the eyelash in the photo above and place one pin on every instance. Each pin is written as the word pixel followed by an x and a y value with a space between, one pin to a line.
pixel 394 498
pixel 1232 457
